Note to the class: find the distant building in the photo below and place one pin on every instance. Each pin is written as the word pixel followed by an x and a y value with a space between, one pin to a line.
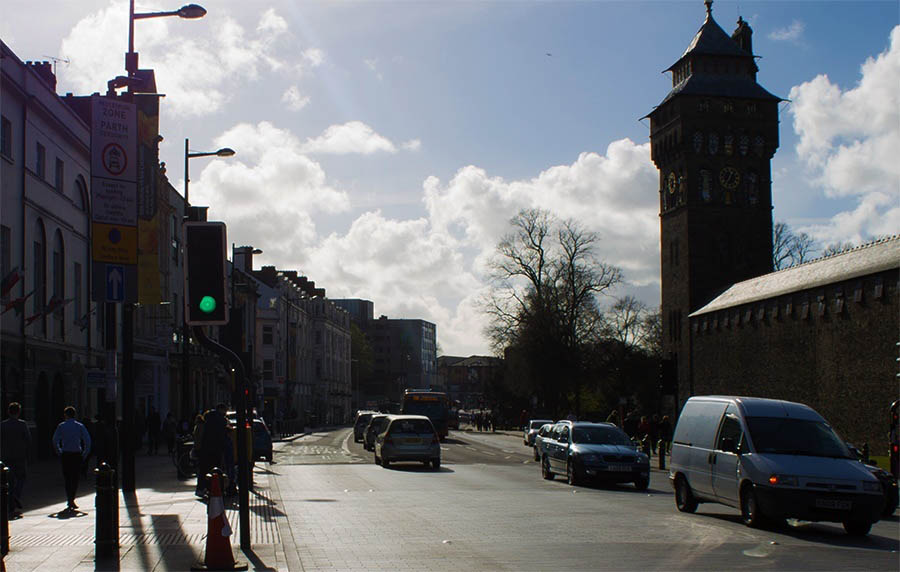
pixel 468 380
pixel 823 333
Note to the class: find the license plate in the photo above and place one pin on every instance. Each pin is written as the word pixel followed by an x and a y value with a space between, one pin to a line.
pixel 413 441
pixel 834 504
pixel 619 468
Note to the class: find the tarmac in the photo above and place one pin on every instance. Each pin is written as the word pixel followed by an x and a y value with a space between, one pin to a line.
pixel 162 525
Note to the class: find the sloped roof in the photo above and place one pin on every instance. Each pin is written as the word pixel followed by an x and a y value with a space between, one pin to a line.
pixel 861 261
pixel 720 86
pixel 711 39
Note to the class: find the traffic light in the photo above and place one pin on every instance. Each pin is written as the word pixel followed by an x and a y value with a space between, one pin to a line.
pixel 205 300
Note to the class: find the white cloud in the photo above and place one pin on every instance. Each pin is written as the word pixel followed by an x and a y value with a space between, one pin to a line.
pixel 350 137
pixel 294 100
pixel 313 57
pixel 792 33
pixel 268 192
pixel 412 145
pixel 196 70
pixel 372 64
pixel 850 140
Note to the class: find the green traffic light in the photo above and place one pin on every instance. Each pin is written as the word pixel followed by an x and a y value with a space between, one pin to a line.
pixel 207 304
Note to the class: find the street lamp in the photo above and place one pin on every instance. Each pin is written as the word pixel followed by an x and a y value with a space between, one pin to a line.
pixel 188 12
pixel 185 331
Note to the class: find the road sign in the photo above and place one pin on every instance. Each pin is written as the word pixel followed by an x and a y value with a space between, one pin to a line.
pixel 114 243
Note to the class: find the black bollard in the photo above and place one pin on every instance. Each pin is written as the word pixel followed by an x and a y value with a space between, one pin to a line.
pixel 106 530
pixel 4 509
pixel 661 449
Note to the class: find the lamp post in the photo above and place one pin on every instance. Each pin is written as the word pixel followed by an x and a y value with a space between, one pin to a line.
pixel 188 11
pixel 185 329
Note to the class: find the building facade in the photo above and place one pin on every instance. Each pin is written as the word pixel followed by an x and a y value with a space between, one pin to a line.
pixel 823 333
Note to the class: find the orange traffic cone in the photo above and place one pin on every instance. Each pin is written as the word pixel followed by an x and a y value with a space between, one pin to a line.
pixel 218 547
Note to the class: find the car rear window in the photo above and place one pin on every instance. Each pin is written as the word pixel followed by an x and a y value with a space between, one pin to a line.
pixel 412 426
pixel 363 418
pixel 599 436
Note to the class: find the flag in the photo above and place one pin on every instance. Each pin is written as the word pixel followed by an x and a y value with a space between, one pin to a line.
pixel 18 304
pixel 9 281
pixel 83 321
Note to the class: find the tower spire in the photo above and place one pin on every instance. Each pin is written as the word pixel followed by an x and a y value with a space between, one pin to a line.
pixel 708 7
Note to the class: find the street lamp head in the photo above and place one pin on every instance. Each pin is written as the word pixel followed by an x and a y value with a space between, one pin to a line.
pixel 191 11
pixel 257 251
pixel 225 152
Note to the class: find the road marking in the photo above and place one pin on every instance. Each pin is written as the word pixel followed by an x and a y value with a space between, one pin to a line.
pixel 487 453
pixel 346 444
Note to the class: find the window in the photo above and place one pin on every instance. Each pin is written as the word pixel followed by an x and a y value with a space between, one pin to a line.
pixel 730 431
pixel 318 337
pixel 38 277
pixel 40 162
pixel 6 137
pixel 173 230
pixel 59 286
pixel 76 280
pixel 60 175
pixel 5 251
pixel 267 335
pixel 80 195
pixel 268 366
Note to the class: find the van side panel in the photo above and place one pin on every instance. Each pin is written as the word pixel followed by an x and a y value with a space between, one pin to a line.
pixel 693 442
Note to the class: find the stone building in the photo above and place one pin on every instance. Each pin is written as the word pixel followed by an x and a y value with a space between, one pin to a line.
pixel 823 333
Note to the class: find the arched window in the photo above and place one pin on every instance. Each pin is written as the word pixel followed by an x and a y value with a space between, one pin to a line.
pixel 58 295
pixel 39 278
pixel 80 195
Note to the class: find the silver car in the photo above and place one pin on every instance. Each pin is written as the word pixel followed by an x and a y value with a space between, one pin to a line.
pixel 408 438
pixel 542 435
pixel 531 430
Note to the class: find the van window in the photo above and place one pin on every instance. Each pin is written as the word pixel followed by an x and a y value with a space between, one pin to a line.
pixel 731 429
pixel 699 422
pixel 790 436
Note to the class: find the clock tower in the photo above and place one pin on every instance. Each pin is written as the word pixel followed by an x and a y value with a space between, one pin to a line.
pixel 712 139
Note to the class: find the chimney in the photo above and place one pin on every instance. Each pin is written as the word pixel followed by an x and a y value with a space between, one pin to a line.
pixel 44 70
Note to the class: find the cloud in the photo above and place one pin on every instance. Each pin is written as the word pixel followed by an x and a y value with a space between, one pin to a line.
pixel 412 145
pixel 372 64
pixel 268 192
pixel 197 71
pixel 793 33
pixel 294 100
pixel 350 137
pixel 849 141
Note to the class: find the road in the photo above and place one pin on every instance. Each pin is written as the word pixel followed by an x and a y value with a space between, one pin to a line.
pixel 488 509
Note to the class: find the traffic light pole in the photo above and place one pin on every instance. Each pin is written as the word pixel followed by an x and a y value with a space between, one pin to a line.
pixel 242 433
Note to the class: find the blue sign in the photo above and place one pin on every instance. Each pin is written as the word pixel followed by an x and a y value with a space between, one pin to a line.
pixel 115 283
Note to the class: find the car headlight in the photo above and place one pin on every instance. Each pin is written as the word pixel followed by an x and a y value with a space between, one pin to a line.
pixel 871 487
pixel 784 480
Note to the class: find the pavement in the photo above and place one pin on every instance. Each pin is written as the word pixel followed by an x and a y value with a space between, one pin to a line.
pixel 162 525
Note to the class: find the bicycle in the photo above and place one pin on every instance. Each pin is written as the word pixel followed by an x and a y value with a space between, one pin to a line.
pixel 185 465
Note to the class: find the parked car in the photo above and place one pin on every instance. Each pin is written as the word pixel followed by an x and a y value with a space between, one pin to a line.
pixel 539 439
pixel 360 423
pixel 594 452
pixel 408 438
pixel 531 430
pixel 376 425
pixel 887 480
pixel 772 460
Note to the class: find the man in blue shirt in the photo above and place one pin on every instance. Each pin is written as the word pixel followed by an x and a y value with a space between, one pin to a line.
pixel 72 443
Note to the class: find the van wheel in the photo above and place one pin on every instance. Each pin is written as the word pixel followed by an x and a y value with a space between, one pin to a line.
pixel 545 469
pixel 857 528
pixel 684 497
pixel 750 513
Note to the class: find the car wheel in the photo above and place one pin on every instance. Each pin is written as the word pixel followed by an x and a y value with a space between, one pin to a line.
pixel 436 464
pixel 642 484
pixel 572 473
pixel 857 528
pixel 750 513
pixel 377 460
pixel 537 455
pixel 545 469
pixel 385 463
pixel 684 497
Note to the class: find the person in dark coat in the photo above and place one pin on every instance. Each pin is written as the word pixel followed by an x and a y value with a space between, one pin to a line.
pixel 212 448
pixel 153 431
pixel 15 443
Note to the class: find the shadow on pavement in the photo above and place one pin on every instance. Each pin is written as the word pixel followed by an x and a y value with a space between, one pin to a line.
pixel 256 562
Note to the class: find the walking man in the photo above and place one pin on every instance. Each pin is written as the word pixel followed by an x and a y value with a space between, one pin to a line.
pixel 73 444
pixel 15 443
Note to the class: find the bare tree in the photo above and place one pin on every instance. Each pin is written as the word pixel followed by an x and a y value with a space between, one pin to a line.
pixel 790 248
pixel 837 248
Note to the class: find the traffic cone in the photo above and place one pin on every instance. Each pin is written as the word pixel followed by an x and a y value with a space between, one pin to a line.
pixel 218 546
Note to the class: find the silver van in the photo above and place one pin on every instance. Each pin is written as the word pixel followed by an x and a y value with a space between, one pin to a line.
pixel 772 460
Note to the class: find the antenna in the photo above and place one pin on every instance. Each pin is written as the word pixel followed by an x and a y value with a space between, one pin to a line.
pixel 56 61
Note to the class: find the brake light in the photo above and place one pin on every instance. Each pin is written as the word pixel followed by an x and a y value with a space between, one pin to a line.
pixel 773 480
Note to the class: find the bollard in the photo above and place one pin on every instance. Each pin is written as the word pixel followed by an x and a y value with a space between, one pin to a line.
pixel 661 449
pixel 865 452
pixel 4 509
pixel 106 530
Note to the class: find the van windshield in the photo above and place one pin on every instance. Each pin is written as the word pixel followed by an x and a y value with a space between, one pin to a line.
pixel 796 437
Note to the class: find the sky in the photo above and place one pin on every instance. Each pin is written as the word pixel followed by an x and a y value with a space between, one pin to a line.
pixel 383 147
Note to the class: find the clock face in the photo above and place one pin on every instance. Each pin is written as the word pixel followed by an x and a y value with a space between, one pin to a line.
pixel 729 178
pixel 671 182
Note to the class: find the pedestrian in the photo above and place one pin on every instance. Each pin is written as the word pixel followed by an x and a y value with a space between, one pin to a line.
pixel 665 433
pixel 72 443
pixel 15 444
pixel 630 425
pixel 168 432
pixel 654 431
pixel 212 446
pixel 152 431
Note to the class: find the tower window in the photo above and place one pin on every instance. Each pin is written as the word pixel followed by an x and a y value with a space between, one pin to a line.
pixel 728 107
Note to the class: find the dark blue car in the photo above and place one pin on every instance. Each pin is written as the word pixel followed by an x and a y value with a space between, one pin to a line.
pixel 594 452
